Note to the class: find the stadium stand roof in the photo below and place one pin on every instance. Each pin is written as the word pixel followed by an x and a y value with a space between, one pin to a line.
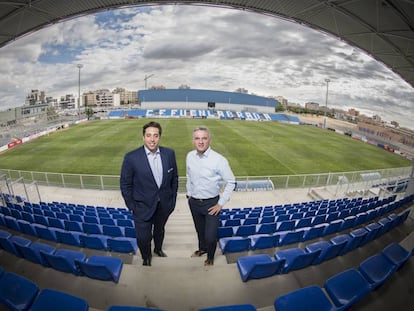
pixel 189 95
pixel 382 28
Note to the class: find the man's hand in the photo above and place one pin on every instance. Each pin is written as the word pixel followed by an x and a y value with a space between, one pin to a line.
pixel 214 210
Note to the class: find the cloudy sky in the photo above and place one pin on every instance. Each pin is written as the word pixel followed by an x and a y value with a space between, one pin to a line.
pixel 204 48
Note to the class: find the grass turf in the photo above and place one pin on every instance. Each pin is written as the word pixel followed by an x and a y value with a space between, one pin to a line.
pixel 252 148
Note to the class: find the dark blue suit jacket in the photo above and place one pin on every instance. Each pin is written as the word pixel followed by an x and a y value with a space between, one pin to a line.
pixel 139 188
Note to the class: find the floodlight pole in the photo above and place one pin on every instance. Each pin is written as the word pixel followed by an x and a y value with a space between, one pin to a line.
pixel 326 102
pixel 146 79
pixel 79 101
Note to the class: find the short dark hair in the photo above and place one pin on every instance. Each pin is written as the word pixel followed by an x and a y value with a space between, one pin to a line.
pixel 152 124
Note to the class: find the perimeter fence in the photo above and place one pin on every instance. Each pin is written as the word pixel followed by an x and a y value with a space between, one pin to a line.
pixel 16 182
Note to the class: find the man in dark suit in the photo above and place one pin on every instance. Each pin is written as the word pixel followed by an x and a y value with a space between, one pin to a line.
pixel 149 185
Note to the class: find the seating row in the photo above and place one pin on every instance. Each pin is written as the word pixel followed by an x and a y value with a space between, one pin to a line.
pixel 262 265
pixel 18 293
pixel 112 243
pixel 18 211
pixel 257 241
pixel 71 261
pixel 346 288
pixel 314 206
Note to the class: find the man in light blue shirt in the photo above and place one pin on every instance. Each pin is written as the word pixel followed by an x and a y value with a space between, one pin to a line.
pixel 207 173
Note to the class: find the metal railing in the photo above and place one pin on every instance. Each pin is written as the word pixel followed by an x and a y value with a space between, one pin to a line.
pixel 111 182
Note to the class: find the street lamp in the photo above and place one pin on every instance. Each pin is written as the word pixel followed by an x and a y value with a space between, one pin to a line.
pixel 326 102
pixel 79 102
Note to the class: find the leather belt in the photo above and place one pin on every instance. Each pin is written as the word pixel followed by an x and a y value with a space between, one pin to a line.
pixel 204 200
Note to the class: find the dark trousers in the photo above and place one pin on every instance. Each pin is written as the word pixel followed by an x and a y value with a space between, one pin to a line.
pixel 154 228
pixel 206 225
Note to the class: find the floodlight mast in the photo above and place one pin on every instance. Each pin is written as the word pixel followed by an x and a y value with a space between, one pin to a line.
pixel 79 101
pixel 146 79
pixel 326 102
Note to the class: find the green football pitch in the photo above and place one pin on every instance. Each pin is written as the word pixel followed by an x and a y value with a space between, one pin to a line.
pixel 252 148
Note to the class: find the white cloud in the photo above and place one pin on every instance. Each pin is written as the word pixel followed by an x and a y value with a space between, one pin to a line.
pixel 205 48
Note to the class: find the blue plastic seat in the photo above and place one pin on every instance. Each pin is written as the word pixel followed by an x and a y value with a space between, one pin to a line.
pixel 17 292
pixel 125 223
pixel 94 241
pixel 113 231
pixel 222 232
pixel 251 221
pixel 313 232
pixel 101 267
pixel 328 250
pixel 12 223
pixel 52 300
pixel 64 260
pixel 377 269
pixel 122 245
pixel 357 236
pixel 8 243
pixel 262 241
pixel 346 288
pixel 372 231
pixel 296 258
pixel 130 232
pixel 345 239
pixel 333 227
pixel 69 237
pixel 71 225
pixel 45 233
pixel 258 266
pixel 303 222
pixel 245 230
pixel 41 220
pixel 304 299
pixel 239 307
pixel 266 228
pixel 56 223
pixel 27 228
pixel 92 228
pixel 286 225
pixel 232 223
pixel 107 221
pixel 397 254
pixel 348 222
pixel 386 225
pixel 290 237
pixel 234 244
pixel 32 251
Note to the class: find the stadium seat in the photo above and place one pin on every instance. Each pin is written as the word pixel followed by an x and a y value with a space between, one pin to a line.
pixel 397 254
pixel 101 267
pixel 64 260
pixel 95 241
pixel 27 228
pixel 290 237
pixel 69 237
pixel 266 228
pixel 17 293
pixel 372 231
pixel 107 221
pixel 346 288
pixel 262 241
pixel 130 232
pixel 296 258
pixel 377 269
pixel 286 225
pixel 328 250
pixel 234 244
pixel 92 228
pixel 303 299
pixel 345 239
pixel 8 243
pixel 71 225
pixel 56 223
pixel 222 232
pixel 313 232
pixel 32 251
pixel 122 245
pixel 333 227
pixel 245 230
pixel 52 300
pixel 45 233
pixel 239 307
pixel 12 223
pixel 258 266
pixel 113 231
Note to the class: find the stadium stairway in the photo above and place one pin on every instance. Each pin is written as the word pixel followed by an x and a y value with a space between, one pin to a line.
pixel 182 283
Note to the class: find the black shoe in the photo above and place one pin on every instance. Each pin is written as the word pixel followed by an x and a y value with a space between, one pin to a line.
pixel 198 253
pixel 209 262
pixel 160 253
pixel 147 262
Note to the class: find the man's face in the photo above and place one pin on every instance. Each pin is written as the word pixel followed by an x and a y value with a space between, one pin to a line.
pixel 201 140
pixel 152 138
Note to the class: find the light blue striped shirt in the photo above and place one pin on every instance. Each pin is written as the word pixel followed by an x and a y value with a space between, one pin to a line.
pixel 207 174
